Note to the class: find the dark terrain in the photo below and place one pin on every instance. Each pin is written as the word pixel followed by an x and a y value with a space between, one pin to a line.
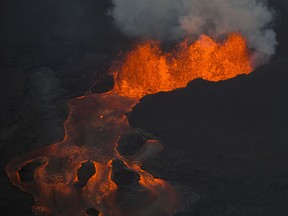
pixel 226 141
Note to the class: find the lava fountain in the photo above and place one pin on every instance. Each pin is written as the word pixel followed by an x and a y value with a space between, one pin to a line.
pixel 147 70
pixel 96 169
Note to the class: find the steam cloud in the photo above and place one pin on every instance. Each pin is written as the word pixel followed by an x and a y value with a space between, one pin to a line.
pixel 175 19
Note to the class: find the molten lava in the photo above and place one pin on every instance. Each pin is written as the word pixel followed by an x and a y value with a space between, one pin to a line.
pixel 147 70
pixel 97 122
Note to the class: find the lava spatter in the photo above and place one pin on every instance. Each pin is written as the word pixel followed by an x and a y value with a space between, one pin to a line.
pixel 148 70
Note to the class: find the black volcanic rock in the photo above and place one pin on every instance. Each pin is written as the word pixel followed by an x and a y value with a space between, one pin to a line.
pixel 123 176
pixel 85 172
pixel 129 144
pixel 92 212
pixel 227 140
pixel 26 173
pixel 104 84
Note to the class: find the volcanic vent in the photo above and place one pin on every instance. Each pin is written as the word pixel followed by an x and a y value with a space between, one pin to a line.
pixel 91 169
pixel 96 169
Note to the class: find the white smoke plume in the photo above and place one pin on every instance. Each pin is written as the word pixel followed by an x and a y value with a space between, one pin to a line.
pixel 176 19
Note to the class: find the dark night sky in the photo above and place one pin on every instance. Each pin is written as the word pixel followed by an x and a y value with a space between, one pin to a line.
pixel 226 141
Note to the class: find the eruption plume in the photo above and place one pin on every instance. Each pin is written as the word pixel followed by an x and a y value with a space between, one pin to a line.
pixel 93 169
pixel 177 19
pixel 97 168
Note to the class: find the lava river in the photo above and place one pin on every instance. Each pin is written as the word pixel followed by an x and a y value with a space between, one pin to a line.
pixel 93 171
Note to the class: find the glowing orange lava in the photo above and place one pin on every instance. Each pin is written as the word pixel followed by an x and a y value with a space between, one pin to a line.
pixel 147 70
pixel 98 121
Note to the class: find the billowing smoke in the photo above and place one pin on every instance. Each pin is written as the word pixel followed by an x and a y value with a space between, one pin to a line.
pixel 175 19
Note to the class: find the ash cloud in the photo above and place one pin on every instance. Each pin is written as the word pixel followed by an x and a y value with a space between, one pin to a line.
pixel 176 19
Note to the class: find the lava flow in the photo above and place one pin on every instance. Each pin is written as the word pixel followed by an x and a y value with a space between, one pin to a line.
pixel 96 169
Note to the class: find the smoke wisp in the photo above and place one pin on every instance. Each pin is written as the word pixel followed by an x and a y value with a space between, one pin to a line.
pixel 176 19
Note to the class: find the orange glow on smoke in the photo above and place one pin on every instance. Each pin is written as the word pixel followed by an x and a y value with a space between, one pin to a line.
pixel 147 70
